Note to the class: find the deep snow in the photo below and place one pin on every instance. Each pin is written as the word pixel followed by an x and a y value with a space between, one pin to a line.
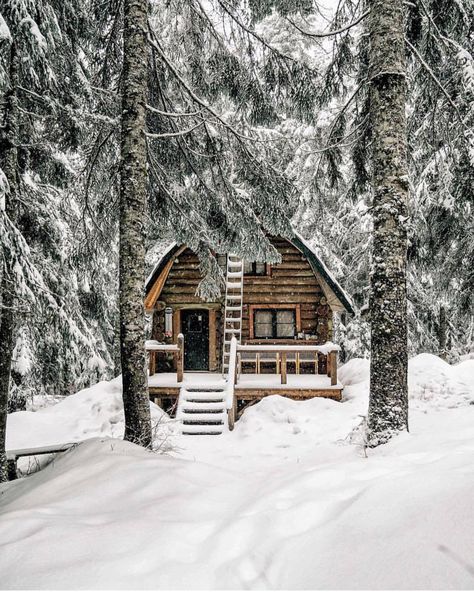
pixel 288 500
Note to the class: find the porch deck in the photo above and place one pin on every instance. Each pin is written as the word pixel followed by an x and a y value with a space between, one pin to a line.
pixel 249 386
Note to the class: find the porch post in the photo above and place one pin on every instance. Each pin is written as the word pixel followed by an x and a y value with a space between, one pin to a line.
pixel 180 360
pixel 152 355
pixel 283 368
pixel 333 356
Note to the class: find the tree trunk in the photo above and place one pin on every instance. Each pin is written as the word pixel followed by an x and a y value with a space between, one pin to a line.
pixel 133 184
pixel 442 333
pixel 388 406
pixel 9 162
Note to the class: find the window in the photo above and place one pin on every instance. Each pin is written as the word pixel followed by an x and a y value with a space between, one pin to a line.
pixel 222 262
pixel 274 323
pixel 263 323
pixel 255 268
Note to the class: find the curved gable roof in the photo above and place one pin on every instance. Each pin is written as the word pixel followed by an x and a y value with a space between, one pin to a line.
pixel 340 301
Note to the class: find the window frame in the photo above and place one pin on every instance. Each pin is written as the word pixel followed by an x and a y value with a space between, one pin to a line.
pixel 253 308
pixel 253 273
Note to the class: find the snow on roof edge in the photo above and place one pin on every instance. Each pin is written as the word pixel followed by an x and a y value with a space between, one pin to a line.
pixel 333 283
pixel 325 269
pixel 166 252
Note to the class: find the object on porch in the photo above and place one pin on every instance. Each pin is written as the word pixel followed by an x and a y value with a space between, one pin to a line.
pixel 153 347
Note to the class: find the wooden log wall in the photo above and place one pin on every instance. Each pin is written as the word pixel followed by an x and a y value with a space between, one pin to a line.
pixel 290 282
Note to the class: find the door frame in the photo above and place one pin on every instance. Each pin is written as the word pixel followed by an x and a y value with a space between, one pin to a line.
pixel 177 328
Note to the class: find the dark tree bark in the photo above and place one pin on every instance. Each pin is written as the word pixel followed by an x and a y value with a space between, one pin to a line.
pixel 388 406
pixel 133 187
pixel 442 333
pixel 9 164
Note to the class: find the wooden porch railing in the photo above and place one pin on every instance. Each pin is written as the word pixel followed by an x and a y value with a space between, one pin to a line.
pixel 177 349
pixel 329 350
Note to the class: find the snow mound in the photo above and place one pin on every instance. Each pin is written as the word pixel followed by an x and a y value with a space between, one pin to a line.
pixel 354 371
pixel 242 513
pixel 433 381
pixel 465 371
pixel 93 412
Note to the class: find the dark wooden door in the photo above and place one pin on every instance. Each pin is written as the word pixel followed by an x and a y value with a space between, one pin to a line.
pixel 195 328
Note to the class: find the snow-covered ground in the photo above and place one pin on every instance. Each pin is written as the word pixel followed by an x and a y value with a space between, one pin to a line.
pixel 287 500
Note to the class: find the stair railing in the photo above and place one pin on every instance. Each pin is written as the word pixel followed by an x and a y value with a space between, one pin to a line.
pixel 231 380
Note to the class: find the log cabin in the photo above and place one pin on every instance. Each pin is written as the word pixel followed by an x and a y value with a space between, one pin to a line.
pixel 271 332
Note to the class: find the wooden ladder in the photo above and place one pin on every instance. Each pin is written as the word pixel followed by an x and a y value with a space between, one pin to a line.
pixel 234 290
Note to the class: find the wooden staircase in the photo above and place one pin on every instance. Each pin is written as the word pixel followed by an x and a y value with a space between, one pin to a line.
pixel 202 410
pixel 233 306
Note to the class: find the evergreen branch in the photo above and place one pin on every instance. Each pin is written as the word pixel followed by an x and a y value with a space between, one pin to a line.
pixel 192 94
pixel 90 169
pixel 173 134
pixel 170 114
pixel 340 141
pixel 158 177
pixel 335 121
pixel 321 35
pixel 204 16
pixel 436 81
pixel 253 33
pixel 79 114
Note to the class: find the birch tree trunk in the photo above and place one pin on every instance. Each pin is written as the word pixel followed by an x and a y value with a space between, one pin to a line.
pixel 133 184
pixel 388 405
pixel 9 164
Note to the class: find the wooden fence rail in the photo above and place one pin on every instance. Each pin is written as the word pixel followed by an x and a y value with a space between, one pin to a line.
pixel 329 350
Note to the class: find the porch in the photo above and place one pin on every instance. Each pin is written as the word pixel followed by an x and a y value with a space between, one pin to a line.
pixel 204 400
pixel 165 385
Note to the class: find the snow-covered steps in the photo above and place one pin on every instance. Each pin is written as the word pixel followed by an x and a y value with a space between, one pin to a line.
pixel 202 410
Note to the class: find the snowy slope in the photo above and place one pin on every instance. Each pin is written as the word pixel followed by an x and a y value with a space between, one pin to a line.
pixel 92 412
pixel 285 501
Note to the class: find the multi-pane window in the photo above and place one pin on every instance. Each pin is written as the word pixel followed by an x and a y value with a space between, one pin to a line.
pixel 222 262
pixel 255 268
pixel 263 323
pixel 274 323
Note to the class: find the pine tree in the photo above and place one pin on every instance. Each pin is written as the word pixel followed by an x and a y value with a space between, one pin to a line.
pixel 133 173
pixel 8 163
pixel 41 46
pixel 388 405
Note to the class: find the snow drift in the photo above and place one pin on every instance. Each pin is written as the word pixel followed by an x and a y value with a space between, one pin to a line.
pixel 285 501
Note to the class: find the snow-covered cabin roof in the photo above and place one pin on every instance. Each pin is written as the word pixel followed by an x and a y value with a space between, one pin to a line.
pixel 337 298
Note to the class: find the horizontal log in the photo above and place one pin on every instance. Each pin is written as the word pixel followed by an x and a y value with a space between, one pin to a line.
pixel 282 281
pixel 280 298
pixel 184 273
pixel 175 282
pixel 181 298
pixel 246 394
pixel 299 273
pixel 292 265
